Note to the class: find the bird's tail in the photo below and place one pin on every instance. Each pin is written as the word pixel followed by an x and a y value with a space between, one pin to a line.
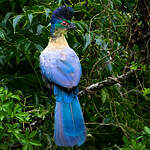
pixel 69 129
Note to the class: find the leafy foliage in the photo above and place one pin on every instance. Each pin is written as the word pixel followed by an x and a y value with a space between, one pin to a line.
pixel 112 37
pixel 13 119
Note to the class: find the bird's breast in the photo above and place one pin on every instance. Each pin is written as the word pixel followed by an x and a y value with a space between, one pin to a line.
pixel 61 66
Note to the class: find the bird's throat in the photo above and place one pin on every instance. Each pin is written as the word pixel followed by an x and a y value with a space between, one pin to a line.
pixel 58 42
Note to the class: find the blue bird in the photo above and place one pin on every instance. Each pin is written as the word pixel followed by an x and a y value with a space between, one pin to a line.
pixel 60 66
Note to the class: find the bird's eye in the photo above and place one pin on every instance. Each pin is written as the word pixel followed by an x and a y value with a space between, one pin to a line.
pixel 64 23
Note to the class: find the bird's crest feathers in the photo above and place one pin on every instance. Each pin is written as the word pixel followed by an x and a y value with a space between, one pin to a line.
pixel 62 12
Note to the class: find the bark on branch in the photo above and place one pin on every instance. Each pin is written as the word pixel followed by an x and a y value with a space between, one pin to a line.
pixel 108 82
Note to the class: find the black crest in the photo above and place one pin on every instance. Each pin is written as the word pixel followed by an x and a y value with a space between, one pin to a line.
pixel 63 12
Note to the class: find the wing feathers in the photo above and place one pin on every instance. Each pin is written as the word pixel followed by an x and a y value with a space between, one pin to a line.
pixel 66 72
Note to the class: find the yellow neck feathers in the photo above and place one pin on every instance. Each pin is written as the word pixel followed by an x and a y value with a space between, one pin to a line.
pixel 57 43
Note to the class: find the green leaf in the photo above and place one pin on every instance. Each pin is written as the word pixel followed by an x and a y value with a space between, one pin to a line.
pixel 134 66
pixel 1 126
pixel 6 18
pixel 99 41
pixel 47 11
pixel 1 116
pixel 16 97
pixel 23 114
pixel 19 136
pixel 32 134
pixel 134 144
pixel 2 34
pixel 25 147
pixel 36 99
pixel 30 147
pixel 27 132
pixel 103 96
pixel 27 45
pixel 87 41
pixel 146 91
pixel 6 106
pixel 147 130
pixel 59 2
pixel 48 139
pixel 1 89
pixel 16 21
pixel 39 47
pixel 117 2
pixel 9 125
pixel 4 146
pixel 5 92
pixel 36 143
pixel 30 17
pixel 49 24
pixel 15 125
pixel 39 29
pixel 79 26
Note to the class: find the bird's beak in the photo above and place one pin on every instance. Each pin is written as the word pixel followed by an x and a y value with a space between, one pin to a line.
pixel 72 26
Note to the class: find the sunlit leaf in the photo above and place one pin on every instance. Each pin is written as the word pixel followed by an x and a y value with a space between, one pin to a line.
pixel 2 34
pixel 16 21
pixel 103 96
pixel 47 11
pixel 30 16
pixel 39 47
pixel 1 116
pixel 16 97
pixel 36 143
pixel 147 130
pixel 39 29
pixel 87 41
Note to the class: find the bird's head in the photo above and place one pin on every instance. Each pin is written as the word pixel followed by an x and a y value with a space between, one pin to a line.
pixel 61 20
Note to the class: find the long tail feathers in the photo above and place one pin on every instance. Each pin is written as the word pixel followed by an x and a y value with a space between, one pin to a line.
pixel 69 129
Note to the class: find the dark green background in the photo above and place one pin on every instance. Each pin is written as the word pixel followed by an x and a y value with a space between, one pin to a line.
pixel 117 117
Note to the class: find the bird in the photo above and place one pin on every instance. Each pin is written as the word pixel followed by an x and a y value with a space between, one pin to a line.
pixel 61 68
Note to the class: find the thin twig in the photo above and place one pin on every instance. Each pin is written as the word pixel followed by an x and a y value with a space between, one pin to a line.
pixel 99 60
pixel 108 82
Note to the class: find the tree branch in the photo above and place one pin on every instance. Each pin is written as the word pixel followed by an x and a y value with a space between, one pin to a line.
pixel 108 82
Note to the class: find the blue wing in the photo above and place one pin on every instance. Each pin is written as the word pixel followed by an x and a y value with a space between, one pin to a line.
pixel 61 67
